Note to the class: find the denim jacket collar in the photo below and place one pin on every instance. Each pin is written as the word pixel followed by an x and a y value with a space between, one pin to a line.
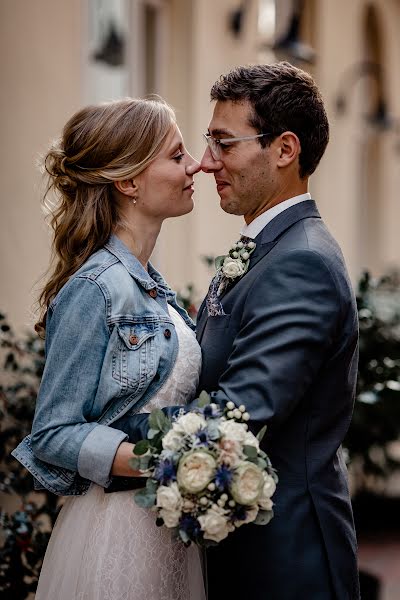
pixel 147 279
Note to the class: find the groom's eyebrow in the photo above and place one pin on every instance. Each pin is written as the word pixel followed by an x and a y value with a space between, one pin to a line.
pixel 215 132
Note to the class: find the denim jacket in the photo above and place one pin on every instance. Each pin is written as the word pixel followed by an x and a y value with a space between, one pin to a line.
pixel 110 345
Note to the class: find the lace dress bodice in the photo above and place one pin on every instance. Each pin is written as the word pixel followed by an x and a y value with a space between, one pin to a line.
pixel 104 547
pixel 181 385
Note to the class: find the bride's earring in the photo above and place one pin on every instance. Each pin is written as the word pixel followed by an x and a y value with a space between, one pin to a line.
pixel 134 200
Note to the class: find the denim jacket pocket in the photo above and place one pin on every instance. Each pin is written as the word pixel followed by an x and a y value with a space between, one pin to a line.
pixel 134 356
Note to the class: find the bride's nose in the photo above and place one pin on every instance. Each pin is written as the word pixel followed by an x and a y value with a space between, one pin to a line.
pixel 193 165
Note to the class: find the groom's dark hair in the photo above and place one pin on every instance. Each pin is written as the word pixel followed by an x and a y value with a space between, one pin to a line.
pixel 284 98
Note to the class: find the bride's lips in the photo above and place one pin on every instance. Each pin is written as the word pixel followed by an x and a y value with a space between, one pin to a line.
pixel 189 187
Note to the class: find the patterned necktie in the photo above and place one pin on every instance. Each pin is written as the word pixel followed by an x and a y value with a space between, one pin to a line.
pixel 219 284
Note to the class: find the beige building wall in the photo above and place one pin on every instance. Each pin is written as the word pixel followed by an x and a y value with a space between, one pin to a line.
pixel 44 45
pixel 40 45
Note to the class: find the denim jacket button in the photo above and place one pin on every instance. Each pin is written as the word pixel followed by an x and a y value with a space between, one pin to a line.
pixel 167 333
pixel 153 293
pixel 133 339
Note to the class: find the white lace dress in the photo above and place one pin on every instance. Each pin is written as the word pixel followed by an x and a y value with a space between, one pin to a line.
pixel 104 547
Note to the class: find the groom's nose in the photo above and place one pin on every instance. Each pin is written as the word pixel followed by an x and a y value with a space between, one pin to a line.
pixel 208 164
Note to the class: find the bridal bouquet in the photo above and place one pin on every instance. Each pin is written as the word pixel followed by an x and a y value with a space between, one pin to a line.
pixel 206 472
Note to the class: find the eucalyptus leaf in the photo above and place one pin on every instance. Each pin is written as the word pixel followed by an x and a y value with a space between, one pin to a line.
pixel 184 536
pixel 263 517
pixel 261 433
pixel 204 399
pixel 151 485
pixel 134 463
pixel 141 447
pixel 144 462
pixel 250 451
pixel 144 498
pixel 151 434
pixel 219 261
pixel 213 431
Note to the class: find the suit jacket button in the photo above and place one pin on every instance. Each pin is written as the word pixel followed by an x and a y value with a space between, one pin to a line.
pixel 133 339
pixel 153 293
pixel 167 333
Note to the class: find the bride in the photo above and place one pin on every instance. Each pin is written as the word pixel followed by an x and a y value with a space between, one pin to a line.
pixel 117 344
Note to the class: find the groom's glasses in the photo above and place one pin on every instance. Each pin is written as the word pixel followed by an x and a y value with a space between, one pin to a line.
pixel 217 145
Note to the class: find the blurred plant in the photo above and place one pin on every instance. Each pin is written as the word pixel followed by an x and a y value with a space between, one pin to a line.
pixel 25 533
pixel 373 438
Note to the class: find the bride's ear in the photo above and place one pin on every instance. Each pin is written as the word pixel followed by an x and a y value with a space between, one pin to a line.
pixel 128 187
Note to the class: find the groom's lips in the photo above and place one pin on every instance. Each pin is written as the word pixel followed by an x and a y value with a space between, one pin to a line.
pixel 221 184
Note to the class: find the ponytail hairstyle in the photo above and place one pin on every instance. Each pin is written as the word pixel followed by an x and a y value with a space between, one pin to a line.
pixel 100 144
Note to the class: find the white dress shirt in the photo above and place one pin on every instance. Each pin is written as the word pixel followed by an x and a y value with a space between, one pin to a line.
pixel 254 228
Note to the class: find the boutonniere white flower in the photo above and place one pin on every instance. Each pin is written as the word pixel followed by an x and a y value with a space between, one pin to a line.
pixel 236 263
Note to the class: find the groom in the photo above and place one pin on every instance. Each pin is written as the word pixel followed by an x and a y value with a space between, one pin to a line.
pixel 282 339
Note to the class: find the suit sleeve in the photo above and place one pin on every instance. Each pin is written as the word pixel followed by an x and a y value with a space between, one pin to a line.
pixel 288 325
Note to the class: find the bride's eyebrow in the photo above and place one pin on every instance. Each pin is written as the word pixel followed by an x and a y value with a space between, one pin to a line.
pixel 176 147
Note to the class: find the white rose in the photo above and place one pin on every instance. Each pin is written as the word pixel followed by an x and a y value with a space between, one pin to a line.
pixel 215 524
pixel 169 497
pixel 247 484
pixel 268 490
pixel 233 268
pixel 170 517
pixel 251 440
pixel 172 440
pixel 251 514
pixel 195 471
pixel 233 431
pixel 189 423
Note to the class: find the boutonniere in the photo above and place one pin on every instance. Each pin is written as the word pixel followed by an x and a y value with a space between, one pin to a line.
pixel 236 263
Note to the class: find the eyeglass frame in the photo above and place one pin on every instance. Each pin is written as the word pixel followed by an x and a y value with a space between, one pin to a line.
pixel 210 140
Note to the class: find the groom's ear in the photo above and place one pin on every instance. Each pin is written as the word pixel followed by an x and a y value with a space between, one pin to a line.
pixel 288 148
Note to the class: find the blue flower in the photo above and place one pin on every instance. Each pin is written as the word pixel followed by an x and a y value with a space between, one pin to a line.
pixel 239 513
pixel 211 411
pixel 203 437
pixel 190 526
pixel 223 477
pixel 165 472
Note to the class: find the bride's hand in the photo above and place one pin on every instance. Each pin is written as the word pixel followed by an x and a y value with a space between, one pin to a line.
pixel 120 465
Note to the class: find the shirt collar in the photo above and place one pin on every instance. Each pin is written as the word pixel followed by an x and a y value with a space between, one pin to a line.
pixel 147 279
pixel 254 228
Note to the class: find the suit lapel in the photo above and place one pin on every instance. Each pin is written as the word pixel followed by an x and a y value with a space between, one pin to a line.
pixel 269 236
pixel 266 240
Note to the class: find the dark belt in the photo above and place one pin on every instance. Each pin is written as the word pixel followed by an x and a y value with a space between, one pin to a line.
pixel 123 484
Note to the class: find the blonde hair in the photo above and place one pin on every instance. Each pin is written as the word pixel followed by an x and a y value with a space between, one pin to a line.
pixel 100 144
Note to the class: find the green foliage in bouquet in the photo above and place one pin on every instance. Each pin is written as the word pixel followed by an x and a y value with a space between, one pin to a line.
pixel 23 534
pixel 376 420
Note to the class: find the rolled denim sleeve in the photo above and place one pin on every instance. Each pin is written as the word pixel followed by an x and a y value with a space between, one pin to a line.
pixel 76 342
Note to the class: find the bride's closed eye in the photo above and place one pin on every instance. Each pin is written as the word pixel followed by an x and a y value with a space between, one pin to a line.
pixel 178 157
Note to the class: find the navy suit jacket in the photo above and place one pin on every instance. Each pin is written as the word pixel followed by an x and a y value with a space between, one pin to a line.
pixel 287 348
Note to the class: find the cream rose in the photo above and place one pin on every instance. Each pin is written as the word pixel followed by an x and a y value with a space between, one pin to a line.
pixel 170 517
pixel 247 484
pixel 195 471
pixel 251 440
pixel 169 497
pixel 215 524
pixel 268 490
pixel 230 452
pixel 233 431
pixel 172 440
pixel 189 423
pixel 233 267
